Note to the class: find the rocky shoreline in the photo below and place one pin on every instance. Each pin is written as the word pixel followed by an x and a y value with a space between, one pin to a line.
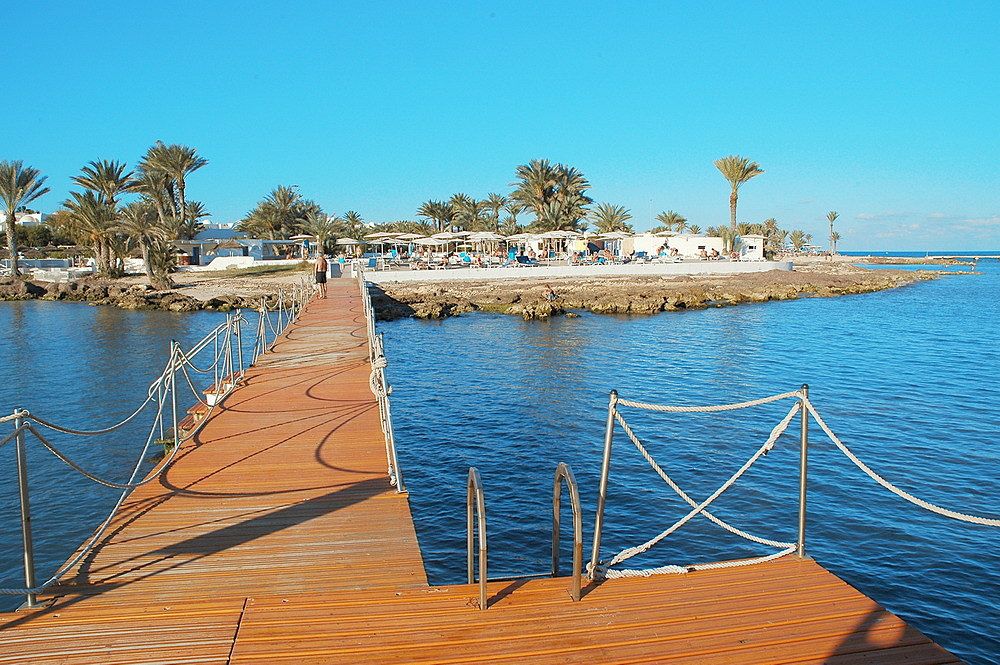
pixel 527 298
pixel 531 298
pixel 127 295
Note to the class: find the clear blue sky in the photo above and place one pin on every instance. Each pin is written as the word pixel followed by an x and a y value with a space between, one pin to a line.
pixel 888 112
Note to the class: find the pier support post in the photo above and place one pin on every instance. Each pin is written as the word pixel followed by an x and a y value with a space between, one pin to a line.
pixel 800 543
pixel 609 433
pixel 22 487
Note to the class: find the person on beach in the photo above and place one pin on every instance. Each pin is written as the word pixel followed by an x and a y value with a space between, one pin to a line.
pixel 321 267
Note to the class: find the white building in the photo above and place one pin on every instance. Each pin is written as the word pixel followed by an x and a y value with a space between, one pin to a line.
pixel 689 245
pixel 751 248
pixel 24 218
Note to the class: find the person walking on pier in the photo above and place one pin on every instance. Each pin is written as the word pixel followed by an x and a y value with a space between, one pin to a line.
pixel 321 268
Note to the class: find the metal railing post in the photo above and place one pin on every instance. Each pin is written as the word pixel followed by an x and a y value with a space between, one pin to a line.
pixel 609 433
pixel 239 340
pixel 800 543
pixel 230 375
pixel 563 472
pixel 22 487
pixel 474 490
pixel 159 405
pixel 173 389
pixel 215 364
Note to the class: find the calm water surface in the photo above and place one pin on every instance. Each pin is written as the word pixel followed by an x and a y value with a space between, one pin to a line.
pixel 909 378
pixel 83 367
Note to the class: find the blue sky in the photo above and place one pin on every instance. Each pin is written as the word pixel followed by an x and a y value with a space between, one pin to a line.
pixel 884 111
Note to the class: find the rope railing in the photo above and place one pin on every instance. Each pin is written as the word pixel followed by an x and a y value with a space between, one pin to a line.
pixel 227 365
pixel 804 408
pixel 379 384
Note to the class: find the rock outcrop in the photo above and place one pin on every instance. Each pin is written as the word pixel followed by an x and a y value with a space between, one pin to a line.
pixel 530 298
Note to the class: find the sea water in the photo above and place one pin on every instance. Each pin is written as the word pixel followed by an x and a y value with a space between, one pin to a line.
pixel 909 378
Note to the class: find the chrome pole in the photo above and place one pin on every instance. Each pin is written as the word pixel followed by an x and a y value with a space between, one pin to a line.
pixel 215 364
pixel 159 405
pixel 609 433
pixel 22 486
pixel 230 376
pixel 800 544
pixel 173 389
pixel 239 340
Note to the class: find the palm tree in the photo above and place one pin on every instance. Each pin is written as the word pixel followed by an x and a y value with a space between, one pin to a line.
pixel 192 225
pixel 555 193
pixel 694 229
pixel 495 203
pixel 141 222
pixel 322 226
pixel 440 212
pixel 799 239
pixel 19 186
pixel 510 226
pixel 608 218
pixel 177 162
pixel 355 224
pixel 832 217
pixel 93 221
pixel 737 170
pixel 108 179
pixel 468 211
pixel 670 221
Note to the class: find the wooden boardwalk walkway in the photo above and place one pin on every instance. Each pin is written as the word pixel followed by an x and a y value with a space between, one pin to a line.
pixel 275 537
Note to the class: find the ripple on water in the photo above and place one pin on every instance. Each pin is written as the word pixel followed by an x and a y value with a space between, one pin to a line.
pixel 908 378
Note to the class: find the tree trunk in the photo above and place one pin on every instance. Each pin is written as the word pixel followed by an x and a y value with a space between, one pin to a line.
pixel 12 243
pixel 146 261
pixel 732 209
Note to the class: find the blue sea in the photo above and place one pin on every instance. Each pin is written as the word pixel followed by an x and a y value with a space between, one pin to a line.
pixel 909 378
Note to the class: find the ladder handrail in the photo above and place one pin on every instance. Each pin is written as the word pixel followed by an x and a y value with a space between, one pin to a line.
pixel 474 488
pixel 564 473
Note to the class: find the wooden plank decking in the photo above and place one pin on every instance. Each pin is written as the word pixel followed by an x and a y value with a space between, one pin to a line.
pixel 275 537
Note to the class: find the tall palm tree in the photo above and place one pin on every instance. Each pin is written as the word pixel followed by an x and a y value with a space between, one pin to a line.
pixel 178 162
pixel 108 179
pixel 355 224
pixel 737 170
pixel 93 221
pixel 798 238
pixel 510 226
pixel 322 226
pixel 193 225
pixel 432 210
pixel 608 217
pixel 468 211
pixel 671 221
pixel 495 203
pixel 832 217
pixel 141 222
pixel 19 186
pixel 556 193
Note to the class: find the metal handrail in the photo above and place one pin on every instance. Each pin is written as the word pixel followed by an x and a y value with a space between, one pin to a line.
pixel 564 473
pixel 474 488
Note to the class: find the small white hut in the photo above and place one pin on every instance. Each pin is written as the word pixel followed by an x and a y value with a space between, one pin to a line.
pixel 751 248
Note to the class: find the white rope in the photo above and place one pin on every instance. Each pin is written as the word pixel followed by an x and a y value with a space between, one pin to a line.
pixel 691 502
pixel 927 505
pixel 711 408
pixel 778 430
pixel 667 570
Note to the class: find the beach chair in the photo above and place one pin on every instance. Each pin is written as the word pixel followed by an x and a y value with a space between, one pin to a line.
pixel 525 261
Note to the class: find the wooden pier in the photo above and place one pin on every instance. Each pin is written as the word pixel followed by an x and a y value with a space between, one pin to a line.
pixel 276 537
